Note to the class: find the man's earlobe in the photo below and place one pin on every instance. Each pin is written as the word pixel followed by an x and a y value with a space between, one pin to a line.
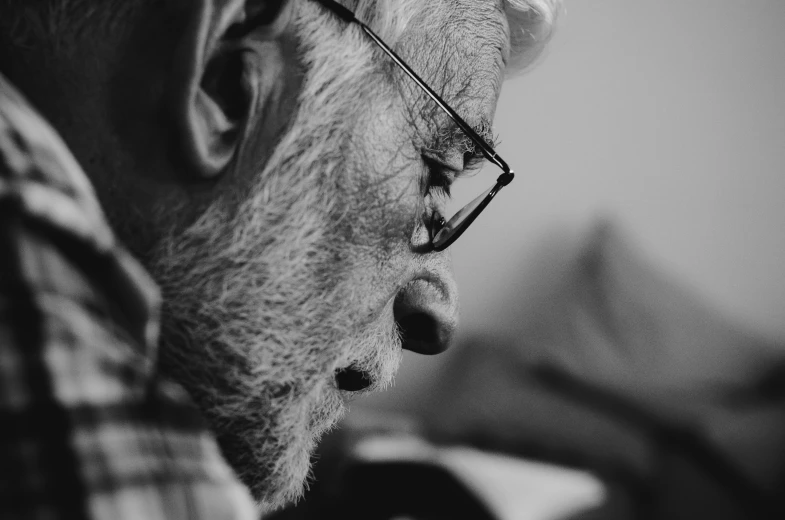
pixel 214 84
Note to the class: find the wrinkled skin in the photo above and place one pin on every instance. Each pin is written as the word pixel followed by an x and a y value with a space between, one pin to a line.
pixel 306 252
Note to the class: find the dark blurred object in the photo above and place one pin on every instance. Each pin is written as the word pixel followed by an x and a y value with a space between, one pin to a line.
pixel 622 371
pixel 680 449
pixel 379 471
pixel 617 370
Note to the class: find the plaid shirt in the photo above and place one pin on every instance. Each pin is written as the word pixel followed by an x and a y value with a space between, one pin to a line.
pixel 87 430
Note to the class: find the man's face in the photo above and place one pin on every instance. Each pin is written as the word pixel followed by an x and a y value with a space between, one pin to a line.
pixel 311 263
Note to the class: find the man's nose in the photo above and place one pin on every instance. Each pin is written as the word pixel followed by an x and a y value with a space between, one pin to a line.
pixel 426 312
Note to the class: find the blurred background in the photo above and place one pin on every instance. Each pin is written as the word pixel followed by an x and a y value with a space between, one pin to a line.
pixel 623 300
pixel 667 117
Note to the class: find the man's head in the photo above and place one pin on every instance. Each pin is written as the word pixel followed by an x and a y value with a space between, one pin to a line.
pixel 276 174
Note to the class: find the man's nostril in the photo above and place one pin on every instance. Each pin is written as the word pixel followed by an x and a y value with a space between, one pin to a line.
pixel 425 313
pixel 423 334
pixel 352 379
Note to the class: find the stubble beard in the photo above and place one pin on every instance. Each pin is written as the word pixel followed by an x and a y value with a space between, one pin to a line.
pixel 256 341
pixel 260 310
pixel 267 294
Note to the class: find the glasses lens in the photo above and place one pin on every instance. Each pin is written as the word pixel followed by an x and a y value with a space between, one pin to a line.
pixel 465 215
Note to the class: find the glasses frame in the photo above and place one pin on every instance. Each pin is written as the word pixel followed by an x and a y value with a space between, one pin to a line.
pixel 451 228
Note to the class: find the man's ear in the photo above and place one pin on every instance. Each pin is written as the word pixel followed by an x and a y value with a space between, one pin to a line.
pixel 215 89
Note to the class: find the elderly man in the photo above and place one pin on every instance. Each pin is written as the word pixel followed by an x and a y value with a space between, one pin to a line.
pixel 281 178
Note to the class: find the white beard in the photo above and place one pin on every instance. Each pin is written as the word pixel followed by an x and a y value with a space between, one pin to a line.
pixel 261 300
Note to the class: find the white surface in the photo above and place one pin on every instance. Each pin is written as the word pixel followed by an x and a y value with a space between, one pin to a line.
pixel 513 488
pixel 517 489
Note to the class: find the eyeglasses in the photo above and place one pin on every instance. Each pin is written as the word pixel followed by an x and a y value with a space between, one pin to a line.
pixel 443 233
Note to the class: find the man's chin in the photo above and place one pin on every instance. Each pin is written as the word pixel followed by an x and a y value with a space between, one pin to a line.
pixel 274 463
pixel 288 485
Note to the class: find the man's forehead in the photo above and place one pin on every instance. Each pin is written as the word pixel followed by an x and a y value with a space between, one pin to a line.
pixel 460 48
pixel 483 21
pixel 479 29
pixel 471 25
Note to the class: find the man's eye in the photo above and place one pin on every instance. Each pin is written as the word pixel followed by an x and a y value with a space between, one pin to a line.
pixel 473 160
pixel 438 181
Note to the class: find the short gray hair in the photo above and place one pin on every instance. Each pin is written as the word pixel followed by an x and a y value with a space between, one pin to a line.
pixel 531 23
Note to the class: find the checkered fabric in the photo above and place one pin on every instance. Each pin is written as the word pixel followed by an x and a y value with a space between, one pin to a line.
pixel 87 429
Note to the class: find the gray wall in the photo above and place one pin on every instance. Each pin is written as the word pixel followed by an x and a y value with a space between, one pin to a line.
pixel 668 116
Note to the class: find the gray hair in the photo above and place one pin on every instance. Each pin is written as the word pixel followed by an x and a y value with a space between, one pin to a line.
pixel 531 23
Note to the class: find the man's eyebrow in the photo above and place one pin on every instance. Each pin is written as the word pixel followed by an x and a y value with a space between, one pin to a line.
pixel 448 136
pixel 485 130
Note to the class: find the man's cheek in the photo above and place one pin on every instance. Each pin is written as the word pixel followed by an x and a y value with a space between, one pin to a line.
pixel 393 208
pixel 388 173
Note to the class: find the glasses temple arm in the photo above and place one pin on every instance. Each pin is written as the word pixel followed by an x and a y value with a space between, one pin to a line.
pixel 347 15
